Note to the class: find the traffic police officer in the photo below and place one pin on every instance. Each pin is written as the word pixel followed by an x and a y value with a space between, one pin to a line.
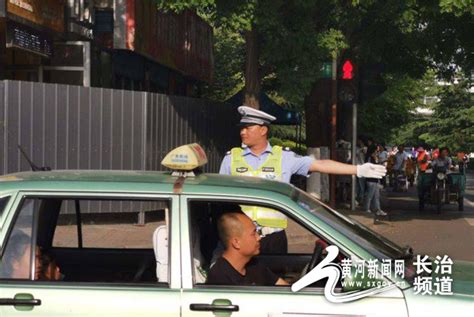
pixel 258 158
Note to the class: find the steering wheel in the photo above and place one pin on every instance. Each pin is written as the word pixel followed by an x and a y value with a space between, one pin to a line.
pixel 320 245
pixel 318 251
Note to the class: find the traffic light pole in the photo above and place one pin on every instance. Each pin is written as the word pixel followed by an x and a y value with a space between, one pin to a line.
pixel 353 148
pixel 332 178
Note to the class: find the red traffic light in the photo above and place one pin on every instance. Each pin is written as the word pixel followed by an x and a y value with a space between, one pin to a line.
pixel 347 69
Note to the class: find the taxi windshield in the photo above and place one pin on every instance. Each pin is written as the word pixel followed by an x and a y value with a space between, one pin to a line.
pixel 375 244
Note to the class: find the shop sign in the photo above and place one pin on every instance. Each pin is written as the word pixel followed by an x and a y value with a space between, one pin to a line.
pixel 26 38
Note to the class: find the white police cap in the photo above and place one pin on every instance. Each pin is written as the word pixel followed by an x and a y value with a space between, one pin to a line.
pixel 251 116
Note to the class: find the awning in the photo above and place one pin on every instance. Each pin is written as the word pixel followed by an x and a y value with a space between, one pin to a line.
pixel 283 116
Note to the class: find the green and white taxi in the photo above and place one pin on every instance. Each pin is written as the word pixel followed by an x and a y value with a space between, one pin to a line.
pixel 140 243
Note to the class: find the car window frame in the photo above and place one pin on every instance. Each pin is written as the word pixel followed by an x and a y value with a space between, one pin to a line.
pixel 186 255
pixel 2 210
pixel 8 207
pixel 173 234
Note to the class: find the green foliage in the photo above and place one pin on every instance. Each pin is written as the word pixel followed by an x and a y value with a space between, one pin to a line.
pixel 382 117
pixel 292 145
pixel 297 36
pixel 275 141
pixel 447 35
pixel 410 133
pixel 229 55
pixel 451 124
pixel 458 7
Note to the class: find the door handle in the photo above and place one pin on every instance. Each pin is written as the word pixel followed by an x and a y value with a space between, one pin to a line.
pixel 19 302
pixel 20 299
pixel 218 305
pixel 211 307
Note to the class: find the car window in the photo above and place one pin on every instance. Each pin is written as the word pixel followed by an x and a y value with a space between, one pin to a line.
pixel 91 240
pixel 109 223
pixel 15 262
pixel 207 247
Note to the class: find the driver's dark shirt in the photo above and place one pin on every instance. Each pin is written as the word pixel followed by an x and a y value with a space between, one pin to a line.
pixel 223 273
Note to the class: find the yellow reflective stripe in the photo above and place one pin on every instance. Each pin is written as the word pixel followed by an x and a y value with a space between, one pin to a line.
pixel 266 217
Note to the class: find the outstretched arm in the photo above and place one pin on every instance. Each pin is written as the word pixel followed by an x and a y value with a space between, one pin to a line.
pixel 333 167
pixel 368 170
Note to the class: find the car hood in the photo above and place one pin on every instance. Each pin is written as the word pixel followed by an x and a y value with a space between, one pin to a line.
pixel 463 277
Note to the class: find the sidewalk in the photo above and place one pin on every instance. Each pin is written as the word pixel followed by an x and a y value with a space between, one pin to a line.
pixel 451 232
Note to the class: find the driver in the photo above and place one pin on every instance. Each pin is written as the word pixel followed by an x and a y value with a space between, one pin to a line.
pixel 237 266
pixel 443 161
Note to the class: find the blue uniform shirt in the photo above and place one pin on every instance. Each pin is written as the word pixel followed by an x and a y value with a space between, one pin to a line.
pixel 291 162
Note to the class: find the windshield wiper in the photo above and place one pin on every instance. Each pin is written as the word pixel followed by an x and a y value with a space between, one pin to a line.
pixel 407 253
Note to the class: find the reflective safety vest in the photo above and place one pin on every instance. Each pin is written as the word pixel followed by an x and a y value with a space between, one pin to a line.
pixel 270 169
pixel 422 160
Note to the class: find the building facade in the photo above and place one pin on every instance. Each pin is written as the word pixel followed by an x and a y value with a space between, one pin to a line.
pixel 123 44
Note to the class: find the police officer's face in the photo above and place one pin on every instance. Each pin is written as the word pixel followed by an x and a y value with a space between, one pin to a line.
pixel 249 240
pixel 253 134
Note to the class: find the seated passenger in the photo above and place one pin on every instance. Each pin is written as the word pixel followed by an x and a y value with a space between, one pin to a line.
pixel 15 263
pixel 50 269
pixel 236 266
pixel 46 268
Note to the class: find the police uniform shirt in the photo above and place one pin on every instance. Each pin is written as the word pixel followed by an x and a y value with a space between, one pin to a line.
pixel 291 162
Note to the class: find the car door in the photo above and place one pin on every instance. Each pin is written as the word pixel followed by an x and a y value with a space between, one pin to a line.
pixel 22 295
pixel 208 300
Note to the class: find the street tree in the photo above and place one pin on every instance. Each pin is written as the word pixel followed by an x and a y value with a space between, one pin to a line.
pixel 280 46
pixel 284 41
pixel 451 124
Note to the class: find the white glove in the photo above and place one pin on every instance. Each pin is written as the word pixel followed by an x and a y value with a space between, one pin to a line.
pixel 370 170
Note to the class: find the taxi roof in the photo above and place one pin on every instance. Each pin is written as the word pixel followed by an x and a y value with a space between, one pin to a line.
pixel 94 180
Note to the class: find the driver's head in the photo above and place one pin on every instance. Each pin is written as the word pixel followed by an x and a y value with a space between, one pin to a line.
pixel 239 234
pixel 444 152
